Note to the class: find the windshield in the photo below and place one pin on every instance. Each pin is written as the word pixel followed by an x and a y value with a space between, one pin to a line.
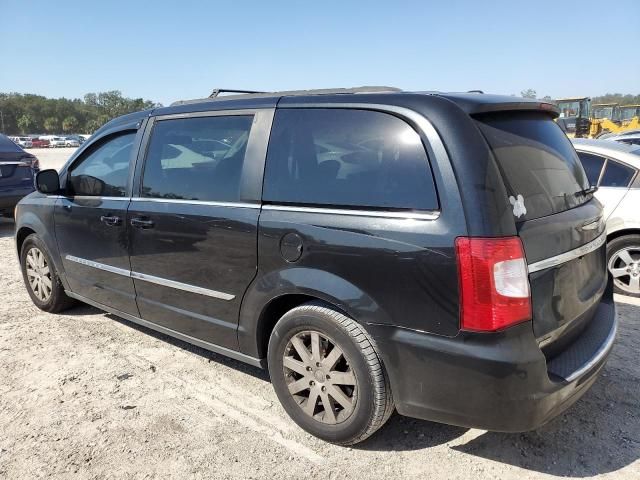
pixel 569 109
pixel 629 113
pixel 603 112
pixel 539 166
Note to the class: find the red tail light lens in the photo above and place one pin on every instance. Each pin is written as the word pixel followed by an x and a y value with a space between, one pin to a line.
pixel 494 283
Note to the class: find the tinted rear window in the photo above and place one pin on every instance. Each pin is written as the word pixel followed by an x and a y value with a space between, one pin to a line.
pixel 537 161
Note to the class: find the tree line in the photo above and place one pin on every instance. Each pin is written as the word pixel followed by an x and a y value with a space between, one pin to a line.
pixel 619 98
pixel 28 113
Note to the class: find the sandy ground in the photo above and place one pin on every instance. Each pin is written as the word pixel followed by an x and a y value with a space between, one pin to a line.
pixel 86 395
pixel 52 157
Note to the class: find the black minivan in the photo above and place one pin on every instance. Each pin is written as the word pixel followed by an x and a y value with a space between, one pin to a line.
pixel 438 254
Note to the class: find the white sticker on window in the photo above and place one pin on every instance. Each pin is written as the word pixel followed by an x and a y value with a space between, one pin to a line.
pixel 518 205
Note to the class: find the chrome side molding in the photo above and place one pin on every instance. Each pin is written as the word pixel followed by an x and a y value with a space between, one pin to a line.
pixel 568 256
pixel 152 279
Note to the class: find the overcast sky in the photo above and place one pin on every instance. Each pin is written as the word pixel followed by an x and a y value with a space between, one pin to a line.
pixel 169 50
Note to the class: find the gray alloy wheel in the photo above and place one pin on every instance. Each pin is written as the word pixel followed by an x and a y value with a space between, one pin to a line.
pixel 38 274
pixel 319 377
pixel 624 265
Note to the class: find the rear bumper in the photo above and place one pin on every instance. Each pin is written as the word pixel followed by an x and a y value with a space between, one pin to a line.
pixel 500 382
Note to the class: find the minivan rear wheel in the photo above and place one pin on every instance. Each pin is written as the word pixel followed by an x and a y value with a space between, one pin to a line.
pixel 40 277
pixel 328 375
pixel 623 262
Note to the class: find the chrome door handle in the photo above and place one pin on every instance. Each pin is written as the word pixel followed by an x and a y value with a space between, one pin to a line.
pixel 142 223
pixel 110 221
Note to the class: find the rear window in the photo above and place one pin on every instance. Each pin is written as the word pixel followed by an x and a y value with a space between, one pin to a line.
pixel 539 166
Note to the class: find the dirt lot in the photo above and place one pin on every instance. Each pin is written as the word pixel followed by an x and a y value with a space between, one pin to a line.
pixel 85 395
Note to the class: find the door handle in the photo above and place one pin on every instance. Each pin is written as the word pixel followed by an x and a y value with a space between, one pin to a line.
pixel 110 221
pixel 142 223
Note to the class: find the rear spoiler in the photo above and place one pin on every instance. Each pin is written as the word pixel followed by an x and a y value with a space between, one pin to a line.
pixel 477 104
pixel 548 108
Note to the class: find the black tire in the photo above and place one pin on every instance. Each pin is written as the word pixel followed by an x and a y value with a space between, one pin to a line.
pixel 625 284
pixel 371 400
pixel 58 300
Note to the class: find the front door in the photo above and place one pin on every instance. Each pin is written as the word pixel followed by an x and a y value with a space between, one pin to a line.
pixel 90 223
pixel 193 227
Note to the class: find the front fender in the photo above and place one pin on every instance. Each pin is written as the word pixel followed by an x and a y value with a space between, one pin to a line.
pixel 35 212
pixel 301 281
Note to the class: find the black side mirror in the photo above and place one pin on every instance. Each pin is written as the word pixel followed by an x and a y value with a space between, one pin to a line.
pixel 48 181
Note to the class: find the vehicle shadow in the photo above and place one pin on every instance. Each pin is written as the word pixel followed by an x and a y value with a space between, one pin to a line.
pixel 7 227
pixel 599 434
pixel 82 309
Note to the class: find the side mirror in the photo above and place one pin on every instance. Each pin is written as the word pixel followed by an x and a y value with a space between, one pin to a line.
pixel 48 181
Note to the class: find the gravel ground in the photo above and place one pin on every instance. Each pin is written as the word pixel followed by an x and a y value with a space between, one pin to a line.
pixel 86 395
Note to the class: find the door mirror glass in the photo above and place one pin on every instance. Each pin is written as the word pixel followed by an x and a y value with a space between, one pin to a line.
pixel 48 181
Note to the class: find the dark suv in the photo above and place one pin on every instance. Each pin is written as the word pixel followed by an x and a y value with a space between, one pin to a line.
pixel 440 254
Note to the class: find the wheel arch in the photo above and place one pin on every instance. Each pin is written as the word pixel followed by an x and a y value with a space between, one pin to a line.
pixel 622 233
pixel 262 307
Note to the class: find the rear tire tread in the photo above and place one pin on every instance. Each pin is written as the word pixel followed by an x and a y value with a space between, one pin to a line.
pixel 383 400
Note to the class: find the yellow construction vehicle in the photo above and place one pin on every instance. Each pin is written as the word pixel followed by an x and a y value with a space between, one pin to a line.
pixel 630 117
pixel 574 116
pixel 579 118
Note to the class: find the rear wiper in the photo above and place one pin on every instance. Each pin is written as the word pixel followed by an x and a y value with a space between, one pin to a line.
pixel 587 191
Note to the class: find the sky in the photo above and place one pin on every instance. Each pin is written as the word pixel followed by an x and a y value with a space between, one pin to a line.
pixel 170 50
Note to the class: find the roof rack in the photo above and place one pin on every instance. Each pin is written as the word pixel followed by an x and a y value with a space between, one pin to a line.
pixel 217 91
pixel 215 95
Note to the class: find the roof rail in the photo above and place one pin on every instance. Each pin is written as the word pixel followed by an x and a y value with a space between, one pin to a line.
pixel 218 91
pixel 475 91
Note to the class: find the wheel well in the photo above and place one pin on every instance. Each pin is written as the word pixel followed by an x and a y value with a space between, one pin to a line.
pixel 275 310
pixel 23 233
pixel 622 233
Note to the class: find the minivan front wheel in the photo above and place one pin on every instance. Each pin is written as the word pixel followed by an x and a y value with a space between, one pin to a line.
pixel 40 277
pixel 328 375
pixel 623 261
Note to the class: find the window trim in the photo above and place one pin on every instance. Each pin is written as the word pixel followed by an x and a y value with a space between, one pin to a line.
pixel 253 166
pixel 604 163
pixel 97 144
pixel 431 143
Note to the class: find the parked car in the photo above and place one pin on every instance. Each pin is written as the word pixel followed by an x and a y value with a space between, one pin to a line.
pixel 23 142
pixel 628 138
pixel 79 139
pixel 40 143
pixel 456 275
pixel 613 168
pixel 71 142
pixel 56 142
pixel 17 175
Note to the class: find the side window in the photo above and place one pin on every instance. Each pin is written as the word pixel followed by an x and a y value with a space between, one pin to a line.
pixel 616 175
pixel 592 166
pixel 196 158
pixel 105 170
pixel 348 158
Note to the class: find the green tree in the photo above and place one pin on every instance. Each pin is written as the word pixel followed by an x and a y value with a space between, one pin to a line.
pixel 25 122
pixel 70 124
pixel 92 125
pixel 528 93
pixel 51 124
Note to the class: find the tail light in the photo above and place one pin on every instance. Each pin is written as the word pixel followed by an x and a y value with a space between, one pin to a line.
pixel 494 283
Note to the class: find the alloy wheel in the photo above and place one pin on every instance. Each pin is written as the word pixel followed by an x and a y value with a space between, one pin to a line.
pixel 38 274
pixel 319 377
pixel 624 265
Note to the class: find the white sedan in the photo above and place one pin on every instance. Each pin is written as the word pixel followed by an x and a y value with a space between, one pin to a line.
pixel 613 168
